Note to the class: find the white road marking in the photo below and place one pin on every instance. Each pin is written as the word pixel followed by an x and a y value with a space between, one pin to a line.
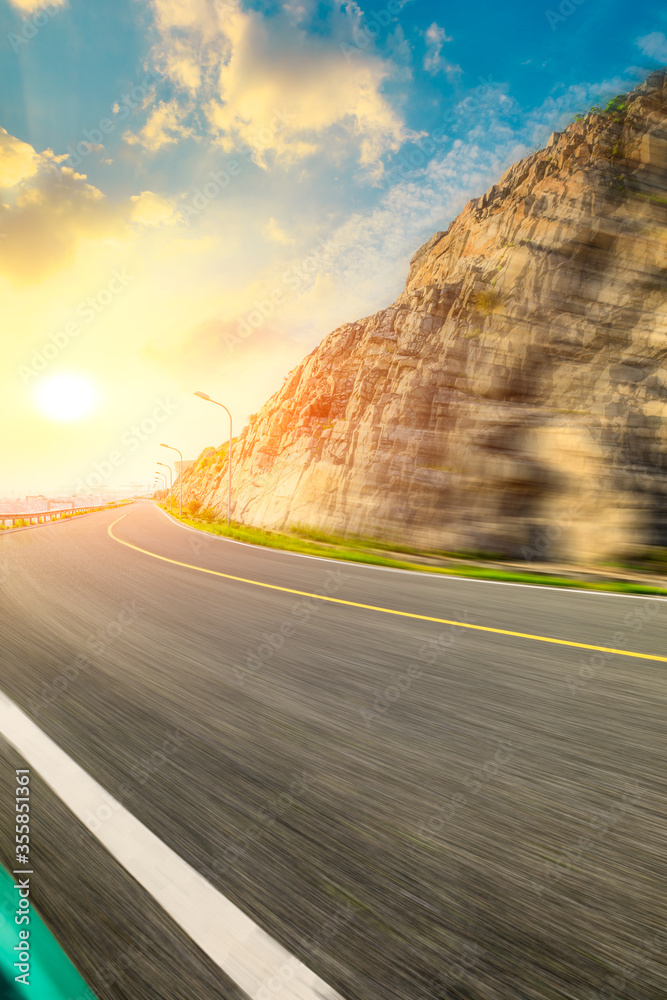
pixel 260 966
pixel 442 577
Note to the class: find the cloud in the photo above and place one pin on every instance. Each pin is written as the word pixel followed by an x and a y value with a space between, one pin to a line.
pixel 49 211
pixel 400 51
pixel 152 209
pixel 433 60
pixel 267 86
pixel 362 263
pixel 366 258
pixel 163 127
pixel 273 232
pixel 48 219
pixel 298 11
pixel 654 46
pixel 30 6
pixel 18 160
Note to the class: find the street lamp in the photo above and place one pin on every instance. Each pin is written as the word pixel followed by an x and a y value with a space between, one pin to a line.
pixel 180 502
pixel 202 395
pixel 162 475
pixel 171 483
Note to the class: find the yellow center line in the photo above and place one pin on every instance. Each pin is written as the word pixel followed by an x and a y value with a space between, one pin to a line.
pixel 387 611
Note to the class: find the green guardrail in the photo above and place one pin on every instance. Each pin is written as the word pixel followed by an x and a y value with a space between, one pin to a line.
pixel 52 976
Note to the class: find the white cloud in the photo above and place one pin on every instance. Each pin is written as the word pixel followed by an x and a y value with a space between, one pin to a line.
pixel 298 11
pixel 361 265
pixel 30 6
pixel 367 256
pixel 163 127
pixel 52 213
pixel 654 46
pixel 150 209
pixel 49 211
pixel 434 62
pixel 267 85
pixel 273 232
pixel 18 160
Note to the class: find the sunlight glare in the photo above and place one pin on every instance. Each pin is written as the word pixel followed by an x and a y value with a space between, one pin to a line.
pixel 66 396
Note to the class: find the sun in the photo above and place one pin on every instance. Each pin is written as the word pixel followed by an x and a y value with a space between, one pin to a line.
pixel 66 397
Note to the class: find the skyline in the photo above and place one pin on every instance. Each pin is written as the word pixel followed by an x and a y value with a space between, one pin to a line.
pixel 194 195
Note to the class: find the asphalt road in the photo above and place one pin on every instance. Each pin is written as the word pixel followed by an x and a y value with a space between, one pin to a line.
pixel 464 814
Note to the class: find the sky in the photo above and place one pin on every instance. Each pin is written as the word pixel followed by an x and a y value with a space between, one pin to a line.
pixel 193 193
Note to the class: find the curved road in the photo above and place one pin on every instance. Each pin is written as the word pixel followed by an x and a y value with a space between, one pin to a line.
pixel 411 808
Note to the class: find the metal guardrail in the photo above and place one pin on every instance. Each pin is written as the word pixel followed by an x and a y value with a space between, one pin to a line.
pixel 42 516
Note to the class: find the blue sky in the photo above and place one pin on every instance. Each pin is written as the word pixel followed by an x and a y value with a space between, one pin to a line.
pixel 275 170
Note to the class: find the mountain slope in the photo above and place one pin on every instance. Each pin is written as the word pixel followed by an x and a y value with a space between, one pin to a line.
pixel 514 396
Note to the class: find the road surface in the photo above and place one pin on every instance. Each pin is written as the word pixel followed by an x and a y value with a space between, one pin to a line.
pixel 412 809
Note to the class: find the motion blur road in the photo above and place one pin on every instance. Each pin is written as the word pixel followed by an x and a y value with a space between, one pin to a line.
pixel 413 809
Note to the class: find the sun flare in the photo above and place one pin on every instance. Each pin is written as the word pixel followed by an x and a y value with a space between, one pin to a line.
pixel 66 397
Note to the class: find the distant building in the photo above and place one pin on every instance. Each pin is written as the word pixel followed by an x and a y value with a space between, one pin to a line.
pixel 34 503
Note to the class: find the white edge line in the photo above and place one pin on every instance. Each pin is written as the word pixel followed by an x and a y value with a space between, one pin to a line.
pixel 246 953
pixel 441 577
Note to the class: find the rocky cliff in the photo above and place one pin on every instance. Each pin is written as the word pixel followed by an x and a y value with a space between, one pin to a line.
pixel 514 397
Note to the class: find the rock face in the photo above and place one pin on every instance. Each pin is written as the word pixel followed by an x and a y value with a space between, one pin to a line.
pixel 514 397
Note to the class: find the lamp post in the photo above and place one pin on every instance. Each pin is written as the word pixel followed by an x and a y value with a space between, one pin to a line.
pixel 171 483
pixel 180 502
pixel 162 475
pixel 202 395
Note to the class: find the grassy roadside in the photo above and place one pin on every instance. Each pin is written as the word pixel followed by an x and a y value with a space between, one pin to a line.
pixel 310 541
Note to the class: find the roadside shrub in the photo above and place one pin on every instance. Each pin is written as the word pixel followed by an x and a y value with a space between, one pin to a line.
pixel 207 514
pixel 615 107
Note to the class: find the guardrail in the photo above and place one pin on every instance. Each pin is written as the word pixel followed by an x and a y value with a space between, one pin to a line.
pixel 42 516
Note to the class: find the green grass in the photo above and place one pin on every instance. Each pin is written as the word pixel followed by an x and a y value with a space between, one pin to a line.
pixel 615 109
pixel 312 541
